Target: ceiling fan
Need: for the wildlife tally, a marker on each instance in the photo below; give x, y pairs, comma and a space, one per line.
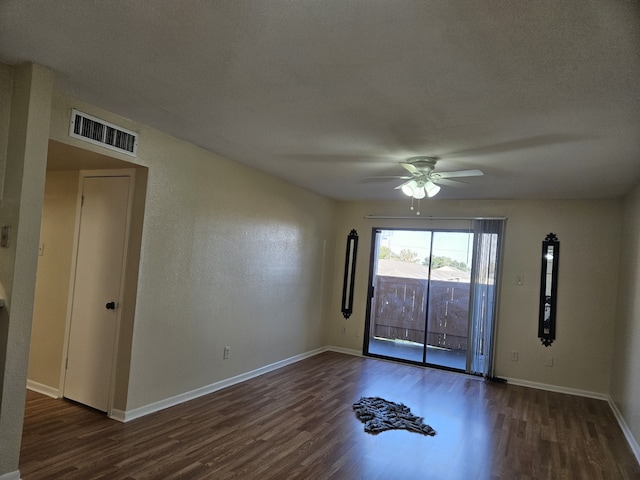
424, 181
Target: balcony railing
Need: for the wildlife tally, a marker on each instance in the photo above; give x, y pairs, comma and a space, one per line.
400, 306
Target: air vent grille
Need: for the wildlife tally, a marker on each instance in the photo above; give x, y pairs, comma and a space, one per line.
99, 132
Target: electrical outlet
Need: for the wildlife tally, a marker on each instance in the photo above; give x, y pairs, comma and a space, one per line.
227, 352
514, 356
344, 330
549, 362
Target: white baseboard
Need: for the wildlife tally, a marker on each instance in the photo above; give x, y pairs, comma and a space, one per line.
347, 351
633, 443
125, 416
556, 388
43, 389
119, 415
11, 475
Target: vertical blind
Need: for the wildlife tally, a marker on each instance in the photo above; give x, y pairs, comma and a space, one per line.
488, 236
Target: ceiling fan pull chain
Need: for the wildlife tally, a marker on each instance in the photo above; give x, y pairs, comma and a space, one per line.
418, 212
411, 204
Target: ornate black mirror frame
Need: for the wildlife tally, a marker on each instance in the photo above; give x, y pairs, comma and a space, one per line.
349, 273
548, 289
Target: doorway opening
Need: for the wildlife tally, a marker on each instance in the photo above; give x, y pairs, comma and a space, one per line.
57, 268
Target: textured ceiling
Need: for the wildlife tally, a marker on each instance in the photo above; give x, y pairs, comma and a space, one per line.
543, 96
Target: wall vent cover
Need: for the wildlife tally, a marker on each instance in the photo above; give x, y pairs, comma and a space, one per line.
99, 132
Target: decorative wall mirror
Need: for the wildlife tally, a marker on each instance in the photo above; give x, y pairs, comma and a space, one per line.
349, 273
548, 289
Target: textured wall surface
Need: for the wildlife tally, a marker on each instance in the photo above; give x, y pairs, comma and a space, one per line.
52, 284
229, 257
589, 238
625, 374
21, 209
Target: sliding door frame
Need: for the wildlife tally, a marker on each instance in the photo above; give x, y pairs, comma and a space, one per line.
475, 229
373, 264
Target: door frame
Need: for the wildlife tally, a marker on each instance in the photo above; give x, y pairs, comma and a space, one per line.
373, 265
122, 172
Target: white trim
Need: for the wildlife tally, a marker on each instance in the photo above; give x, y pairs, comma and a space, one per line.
43, 389
347, 351
556, 388
119, 415
11, 475
125, 416
633, 443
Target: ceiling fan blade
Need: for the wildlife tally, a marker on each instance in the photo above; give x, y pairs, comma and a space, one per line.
460, 173
449, 183
386, 177
515, 145
411, 168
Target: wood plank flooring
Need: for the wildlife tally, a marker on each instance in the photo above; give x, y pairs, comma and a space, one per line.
298, 423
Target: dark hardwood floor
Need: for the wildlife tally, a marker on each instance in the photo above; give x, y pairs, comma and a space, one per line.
298, 423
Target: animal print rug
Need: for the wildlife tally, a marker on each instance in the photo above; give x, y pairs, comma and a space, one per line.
379, 415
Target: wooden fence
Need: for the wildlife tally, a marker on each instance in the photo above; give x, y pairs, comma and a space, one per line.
399, 311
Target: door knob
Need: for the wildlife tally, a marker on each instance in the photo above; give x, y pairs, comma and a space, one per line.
111, 306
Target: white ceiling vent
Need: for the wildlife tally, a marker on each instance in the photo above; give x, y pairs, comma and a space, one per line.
99, 132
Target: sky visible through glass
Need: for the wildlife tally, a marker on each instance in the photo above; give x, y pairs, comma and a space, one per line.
455, 245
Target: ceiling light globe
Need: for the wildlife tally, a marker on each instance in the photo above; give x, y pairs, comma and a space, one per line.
432, 189
409, 188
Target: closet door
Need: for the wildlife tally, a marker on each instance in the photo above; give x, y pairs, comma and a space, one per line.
100, 257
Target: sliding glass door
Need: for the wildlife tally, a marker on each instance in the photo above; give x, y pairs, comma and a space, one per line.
430, 302
448, 302
400, 287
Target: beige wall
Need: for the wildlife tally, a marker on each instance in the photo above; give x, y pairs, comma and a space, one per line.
6, 85
589, 235
52, 285
8, 460
625, 372
229, 256
20, 209
129, 301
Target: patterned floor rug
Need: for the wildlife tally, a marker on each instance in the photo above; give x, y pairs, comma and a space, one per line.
379, 415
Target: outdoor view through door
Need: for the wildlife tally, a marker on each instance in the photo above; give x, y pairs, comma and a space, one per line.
432, 296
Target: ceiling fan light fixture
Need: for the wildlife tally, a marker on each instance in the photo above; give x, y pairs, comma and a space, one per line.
431, 188
424, 180
409, 188
419, 193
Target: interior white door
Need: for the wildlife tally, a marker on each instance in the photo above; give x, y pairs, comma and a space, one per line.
98, 274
